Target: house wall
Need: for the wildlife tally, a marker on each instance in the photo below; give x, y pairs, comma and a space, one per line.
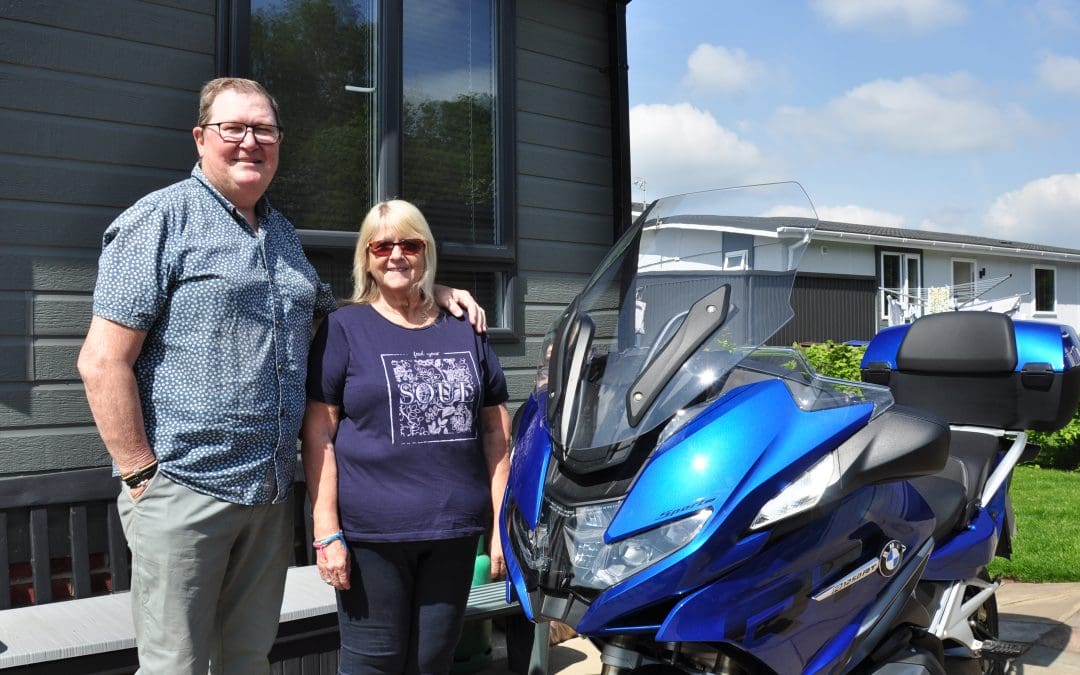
97, 101
565, 215
858, 260
937, 271
830, 307
834, 295
831, 257
96, 108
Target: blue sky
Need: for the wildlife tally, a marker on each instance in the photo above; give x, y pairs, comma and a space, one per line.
943, 115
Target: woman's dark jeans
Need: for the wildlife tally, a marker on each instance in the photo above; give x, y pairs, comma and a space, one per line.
406, 606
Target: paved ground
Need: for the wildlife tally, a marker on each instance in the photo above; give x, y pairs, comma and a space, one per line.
1045, 616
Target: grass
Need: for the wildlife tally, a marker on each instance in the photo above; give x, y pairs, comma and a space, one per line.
1047, 543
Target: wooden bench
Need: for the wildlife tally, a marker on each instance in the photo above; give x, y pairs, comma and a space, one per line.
62, 537
95, 635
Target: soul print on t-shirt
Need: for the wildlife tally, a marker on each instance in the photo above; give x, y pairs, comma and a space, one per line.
432, 396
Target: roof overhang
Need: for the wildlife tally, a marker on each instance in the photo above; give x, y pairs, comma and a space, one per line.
944, 246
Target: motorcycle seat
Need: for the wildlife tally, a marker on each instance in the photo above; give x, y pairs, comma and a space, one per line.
953, 493
946, 494
977, 452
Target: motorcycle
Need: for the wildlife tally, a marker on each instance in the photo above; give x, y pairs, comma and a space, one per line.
693, 501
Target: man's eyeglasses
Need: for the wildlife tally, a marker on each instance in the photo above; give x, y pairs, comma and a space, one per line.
234, 132
383, 249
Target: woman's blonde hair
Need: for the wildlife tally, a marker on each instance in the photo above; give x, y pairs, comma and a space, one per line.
403, 221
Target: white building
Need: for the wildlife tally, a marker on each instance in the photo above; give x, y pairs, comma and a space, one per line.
916, 271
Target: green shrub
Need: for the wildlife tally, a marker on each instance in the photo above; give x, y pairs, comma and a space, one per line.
1061, 448
835, 360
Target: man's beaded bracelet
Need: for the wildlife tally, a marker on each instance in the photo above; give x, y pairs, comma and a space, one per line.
320, 544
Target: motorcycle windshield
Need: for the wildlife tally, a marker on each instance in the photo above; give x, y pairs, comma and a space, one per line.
697, 283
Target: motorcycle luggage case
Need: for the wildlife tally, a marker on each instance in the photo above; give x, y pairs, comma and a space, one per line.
980, 369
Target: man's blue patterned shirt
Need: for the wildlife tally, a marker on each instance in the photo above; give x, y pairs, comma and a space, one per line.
228, 314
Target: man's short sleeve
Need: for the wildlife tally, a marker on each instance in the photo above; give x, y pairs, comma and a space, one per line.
134, 268
324, 299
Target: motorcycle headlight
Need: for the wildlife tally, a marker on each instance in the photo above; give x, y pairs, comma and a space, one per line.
595, 564
532, 545
803, 494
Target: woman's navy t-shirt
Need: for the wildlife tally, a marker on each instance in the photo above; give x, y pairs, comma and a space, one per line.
410, 459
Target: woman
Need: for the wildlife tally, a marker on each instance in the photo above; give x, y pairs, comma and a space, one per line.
405, 450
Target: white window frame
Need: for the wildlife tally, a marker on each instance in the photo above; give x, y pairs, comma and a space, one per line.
906, 284
952, 274
736, 260
1035, 291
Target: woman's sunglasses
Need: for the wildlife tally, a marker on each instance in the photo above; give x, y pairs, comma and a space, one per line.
383, 249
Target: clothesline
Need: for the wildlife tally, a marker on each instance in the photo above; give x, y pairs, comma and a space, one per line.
951, 296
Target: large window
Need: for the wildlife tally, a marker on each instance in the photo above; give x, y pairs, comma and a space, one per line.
394, 98
1045, 289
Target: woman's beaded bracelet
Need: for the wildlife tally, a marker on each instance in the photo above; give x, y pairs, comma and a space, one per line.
320, 544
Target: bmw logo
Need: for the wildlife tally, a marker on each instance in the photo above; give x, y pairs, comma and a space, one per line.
891, 557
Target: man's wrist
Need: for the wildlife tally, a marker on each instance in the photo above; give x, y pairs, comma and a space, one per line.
140, 476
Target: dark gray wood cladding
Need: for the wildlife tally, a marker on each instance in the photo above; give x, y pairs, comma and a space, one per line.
564, 164
97, 101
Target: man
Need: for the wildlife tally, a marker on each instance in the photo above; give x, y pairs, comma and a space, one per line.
194, 366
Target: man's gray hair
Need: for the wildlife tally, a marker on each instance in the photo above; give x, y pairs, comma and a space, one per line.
240, 85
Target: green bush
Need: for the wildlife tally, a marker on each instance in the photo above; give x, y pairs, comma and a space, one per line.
835, 360
1061, 448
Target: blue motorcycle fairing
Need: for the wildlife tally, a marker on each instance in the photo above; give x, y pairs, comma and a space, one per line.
973, 548
832, 653
529, 463
885, 345
515, 578
756, 481
853, 644
768, 608
727, 455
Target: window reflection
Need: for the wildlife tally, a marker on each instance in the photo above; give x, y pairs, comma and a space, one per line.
448, 116
306, 52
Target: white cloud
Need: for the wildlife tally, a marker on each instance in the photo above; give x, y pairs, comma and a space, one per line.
1060, 73
886, 16
712, 68
681, 148
927, 115
1045, 211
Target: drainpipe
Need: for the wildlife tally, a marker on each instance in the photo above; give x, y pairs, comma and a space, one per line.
620, 117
